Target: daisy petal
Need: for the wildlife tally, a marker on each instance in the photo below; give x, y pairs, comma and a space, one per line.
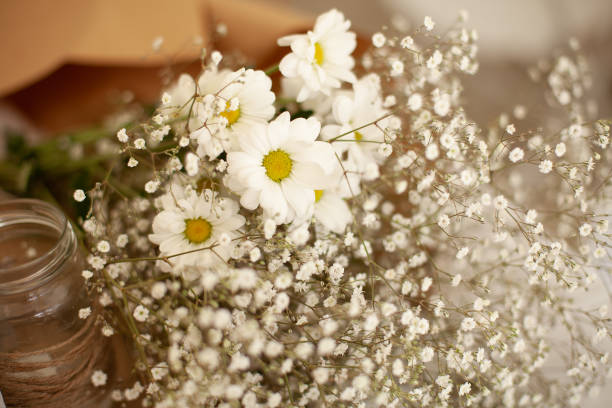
299, 197
306, 130
274, 202
309, 175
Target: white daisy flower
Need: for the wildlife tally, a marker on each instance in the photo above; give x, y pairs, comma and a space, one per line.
279, 166
245, 98
352, 110
322, 57
190, 222
222, 104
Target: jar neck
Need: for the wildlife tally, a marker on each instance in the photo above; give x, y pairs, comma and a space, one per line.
36, 239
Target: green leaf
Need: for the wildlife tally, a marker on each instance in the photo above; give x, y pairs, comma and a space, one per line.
302, 114
16, 144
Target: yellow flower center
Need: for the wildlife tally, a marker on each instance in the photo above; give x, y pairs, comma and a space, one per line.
318, 195
358, 136
232, 116
277, 164
197, 230
319, 55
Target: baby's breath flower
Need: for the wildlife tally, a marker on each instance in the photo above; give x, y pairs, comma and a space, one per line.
122, 135
465, 388
166, 99
122, 240
378, 40
432, 151
107, 331
467, 324
103, 246
184, 141
434, 60
151, 186
426, 283
462, 252
397, 68
79, 195
415, 102
443, 221
255, 254
407, 42
84, 313
98, 378
545, 166
141, 313
158, 290
192, 164
428, 23
585, 229
139, 143
427, 354
560, 149
516, 155
96, 262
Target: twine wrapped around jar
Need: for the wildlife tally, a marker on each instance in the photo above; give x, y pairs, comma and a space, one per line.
33, 378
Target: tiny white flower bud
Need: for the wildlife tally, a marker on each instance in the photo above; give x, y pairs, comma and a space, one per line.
79, 195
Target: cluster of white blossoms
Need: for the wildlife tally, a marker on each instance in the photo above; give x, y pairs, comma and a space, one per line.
355, 239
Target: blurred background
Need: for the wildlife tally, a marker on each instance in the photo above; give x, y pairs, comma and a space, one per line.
45, 57
513, 35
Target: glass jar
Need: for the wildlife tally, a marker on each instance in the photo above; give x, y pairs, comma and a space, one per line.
47, 352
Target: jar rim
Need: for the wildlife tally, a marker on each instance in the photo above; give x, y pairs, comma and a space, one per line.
15, 212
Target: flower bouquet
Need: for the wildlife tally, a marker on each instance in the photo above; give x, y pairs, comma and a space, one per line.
342, 234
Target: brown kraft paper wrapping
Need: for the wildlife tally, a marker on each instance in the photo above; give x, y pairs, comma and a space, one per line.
62, 59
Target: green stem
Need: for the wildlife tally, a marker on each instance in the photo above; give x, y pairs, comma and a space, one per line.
84, 136
361, 127
271, 70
